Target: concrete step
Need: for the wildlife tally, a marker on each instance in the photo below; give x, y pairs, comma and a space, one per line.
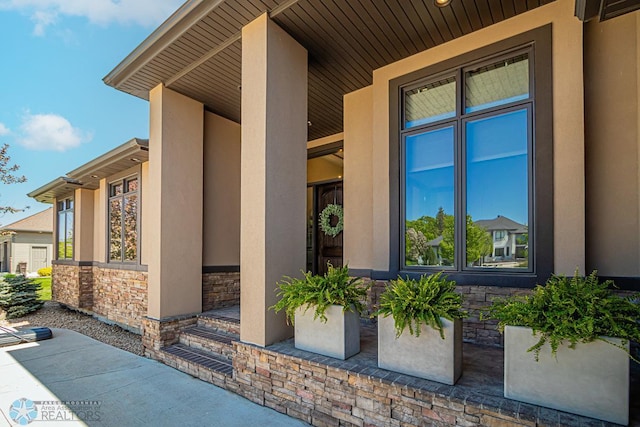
219, 323
209, 339
209, 367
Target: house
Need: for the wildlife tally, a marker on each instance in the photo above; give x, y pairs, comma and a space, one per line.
510, 240
444, 112
26, 245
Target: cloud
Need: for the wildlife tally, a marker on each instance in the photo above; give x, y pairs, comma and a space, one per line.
147, 13
4, 130
50, 132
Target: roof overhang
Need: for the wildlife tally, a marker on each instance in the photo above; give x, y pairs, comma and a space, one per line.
121, 158
604, 9
198, 50
59, 187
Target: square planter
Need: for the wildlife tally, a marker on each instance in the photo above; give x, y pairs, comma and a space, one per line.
427, 356
591, 380
339, 337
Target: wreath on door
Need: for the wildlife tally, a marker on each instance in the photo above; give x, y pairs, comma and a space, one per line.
325, 220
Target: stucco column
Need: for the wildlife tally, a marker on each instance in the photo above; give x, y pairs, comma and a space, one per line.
273, 177
83, 228
173, 205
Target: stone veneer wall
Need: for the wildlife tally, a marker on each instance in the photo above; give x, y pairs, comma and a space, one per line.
120, 296
220, 290
72, 285
476, 299
327, 396
161, 333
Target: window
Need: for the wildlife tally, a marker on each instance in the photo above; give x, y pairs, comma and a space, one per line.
65, 228
123, 220
460, 125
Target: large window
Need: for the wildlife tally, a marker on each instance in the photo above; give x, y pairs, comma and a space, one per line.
472, 143
123, 220
64, 210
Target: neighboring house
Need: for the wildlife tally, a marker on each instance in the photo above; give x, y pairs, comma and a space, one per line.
26, 245
467, 111
510, 239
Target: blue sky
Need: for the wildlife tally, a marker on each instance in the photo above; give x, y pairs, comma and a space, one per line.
55, 112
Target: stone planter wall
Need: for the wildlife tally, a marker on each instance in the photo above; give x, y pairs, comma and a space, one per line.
72, 285
120, 296
220, 290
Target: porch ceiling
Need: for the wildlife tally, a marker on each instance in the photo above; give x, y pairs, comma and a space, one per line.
197, 51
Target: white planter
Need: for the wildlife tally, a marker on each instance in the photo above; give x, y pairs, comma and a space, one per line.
339, 337
427, 356
592, 380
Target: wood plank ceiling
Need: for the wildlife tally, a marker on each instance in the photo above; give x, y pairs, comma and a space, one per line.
346, 41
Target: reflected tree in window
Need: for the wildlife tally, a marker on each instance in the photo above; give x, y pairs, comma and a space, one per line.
123, 221
65, 228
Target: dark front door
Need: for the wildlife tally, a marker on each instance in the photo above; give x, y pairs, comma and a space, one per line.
328, 247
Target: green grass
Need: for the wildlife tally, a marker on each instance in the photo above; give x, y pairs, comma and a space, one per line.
45, 285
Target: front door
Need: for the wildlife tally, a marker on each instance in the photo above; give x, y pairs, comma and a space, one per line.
328, 241
38, 258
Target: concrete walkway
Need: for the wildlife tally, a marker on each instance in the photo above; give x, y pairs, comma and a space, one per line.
106, 386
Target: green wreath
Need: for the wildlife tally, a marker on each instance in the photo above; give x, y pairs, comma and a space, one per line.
325, 220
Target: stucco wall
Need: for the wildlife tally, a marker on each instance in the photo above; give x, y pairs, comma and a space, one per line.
83, 223
568, 130
612, 117
321, 169
221, 188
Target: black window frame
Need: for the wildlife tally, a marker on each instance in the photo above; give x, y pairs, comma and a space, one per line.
123, 181
68, 207
538, 42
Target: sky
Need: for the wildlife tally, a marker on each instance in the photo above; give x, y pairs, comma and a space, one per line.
55, 112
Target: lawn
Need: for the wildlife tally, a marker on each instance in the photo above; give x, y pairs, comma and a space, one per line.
45, 285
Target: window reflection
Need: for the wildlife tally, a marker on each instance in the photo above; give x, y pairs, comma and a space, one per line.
430, 103
429, 201
65, 229
496, 84
123, 221
497, 195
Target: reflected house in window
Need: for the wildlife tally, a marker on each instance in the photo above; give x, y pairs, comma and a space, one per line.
510, 241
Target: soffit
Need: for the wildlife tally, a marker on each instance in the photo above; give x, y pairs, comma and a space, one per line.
346, 41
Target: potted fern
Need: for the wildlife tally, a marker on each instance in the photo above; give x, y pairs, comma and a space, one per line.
567, 346
420, 328
325, 311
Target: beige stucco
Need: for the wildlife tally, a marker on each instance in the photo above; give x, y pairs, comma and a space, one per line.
100, 222
145, 234
174, 204
568, 129
221, 221
358, 178
323, 168
83, 225
612, 90
273, 175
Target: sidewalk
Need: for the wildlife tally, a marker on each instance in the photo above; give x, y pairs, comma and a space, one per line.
106, 386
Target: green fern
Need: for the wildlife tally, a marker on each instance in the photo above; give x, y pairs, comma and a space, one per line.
335, 287
414, 303
577, 309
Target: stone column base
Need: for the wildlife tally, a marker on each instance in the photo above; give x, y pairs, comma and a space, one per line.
157, 334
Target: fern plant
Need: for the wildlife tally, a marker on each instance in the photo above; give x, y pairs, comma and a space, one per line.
335, 287
576, 309
425, 301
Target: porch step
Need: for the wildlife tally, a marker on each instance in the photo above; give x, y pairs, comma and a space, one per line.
209, 367
209, 339
219, 323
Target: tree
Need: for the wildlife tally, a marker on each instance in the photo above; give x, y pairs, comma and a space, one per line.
7, 176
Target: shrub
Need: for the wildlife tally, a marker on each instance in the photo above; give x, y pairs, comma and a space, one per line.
18, 296
44, 272
321, 291
414, 303
577, 309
